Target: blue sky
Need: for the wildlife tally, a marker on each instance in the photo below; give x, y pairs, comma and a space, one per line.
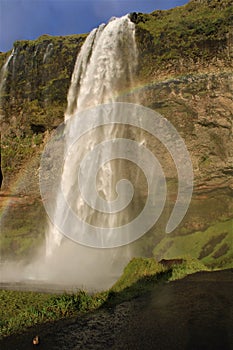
28, 19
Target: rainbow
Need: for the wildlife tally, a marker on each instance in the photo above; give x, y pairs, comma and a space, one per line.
17, 189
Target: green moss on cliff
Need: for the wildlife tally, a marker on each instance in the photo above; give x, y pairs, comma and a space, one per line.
194, 32
3, 57
40, 70
34, 95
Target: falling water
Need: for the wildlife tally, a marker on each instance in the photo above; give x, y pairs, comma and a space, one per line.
3, 75
104, 67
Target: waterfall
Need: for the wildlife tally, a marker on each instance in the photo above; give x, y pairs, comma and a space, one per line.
3, 75
103, 74
48, 52
104, 67
94, 161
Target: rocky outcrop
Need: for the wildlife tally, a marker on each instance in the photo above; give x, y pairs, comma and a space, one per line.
200, 106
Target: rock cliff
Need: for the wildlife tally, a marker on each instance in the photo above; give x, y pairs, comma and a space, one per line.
184, 73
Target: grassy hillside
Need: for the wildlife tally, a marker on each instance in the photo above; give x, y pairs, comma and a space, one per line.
188, 37
213, 246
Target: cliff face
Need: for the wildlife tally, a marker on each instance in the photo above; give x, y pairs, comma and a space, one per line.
190, 39
186, 64
200, 106
184, 73
39, 72
33, 99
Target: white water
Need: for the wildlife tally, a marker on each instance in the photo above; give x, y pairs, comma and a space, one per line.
104, 68
48, 52
3, 75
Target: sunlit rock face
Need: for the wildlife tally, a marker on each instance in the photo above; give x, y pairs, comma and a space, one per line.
183, 73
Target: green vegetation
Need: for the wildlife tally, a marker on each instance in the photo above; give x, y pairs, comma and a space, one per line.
187, 267
21, 233
19, 310
24, 309
141, 274
44, 67
34, 94
193, 32
45, 38
21, 147
213, 246
172, 43
135, 270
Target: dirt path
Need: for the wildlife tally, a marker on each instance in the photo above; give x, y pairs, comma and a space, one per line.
195, 313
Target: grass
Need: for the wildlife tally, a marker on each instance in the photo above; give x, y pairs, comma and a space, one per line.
20, 310
20, 231
187, 267
193, 32
213, 245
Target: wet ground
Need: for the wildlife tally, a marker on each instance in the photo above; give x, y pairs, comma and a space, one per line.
195, 313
